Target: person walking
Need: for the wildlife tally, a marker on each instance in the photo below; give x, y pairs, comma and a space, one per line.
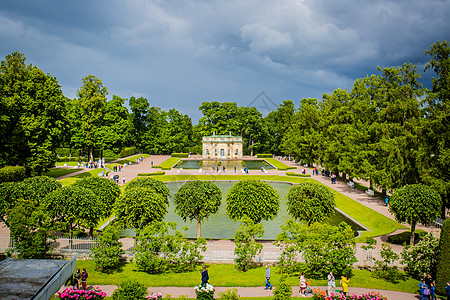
423, 287
432, 291
205, 276
344, 282
268, 285
123, 179
447, 290
84, 276
331, 283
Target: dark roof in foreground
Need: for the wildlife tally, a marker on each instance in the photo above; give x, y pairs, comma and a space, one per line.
23, 278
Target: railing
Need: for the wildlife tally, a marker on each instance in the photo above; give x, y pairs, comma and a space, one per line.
217, 251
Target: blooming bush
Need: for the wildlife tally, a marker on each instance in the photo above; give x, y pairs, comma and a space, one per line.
155, 296
204, 293
74, 293
320, 295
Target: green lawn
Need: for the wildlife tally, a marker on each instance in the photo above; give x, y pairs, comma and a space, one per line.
71, 180
168, 163
69, 163
58, 172
278, 164
226, 275
376, 222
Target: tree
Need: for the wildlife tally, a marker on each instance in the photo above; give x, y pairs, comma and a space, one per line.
108, 249
415, 203
29, 226
219, 118
38, 187
178, 133
252, 198
422, 257
105, 190
443, 261
8, 197
246, 246
140, 206
33, 114
72, 206
158, 250
150, 183
139, 118
92, 101
197, 200
435, 141
310, 202
327, 248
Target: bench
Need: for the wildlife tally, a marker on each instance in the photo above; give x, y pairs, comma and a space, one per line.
370, 192
438, 222
351, 184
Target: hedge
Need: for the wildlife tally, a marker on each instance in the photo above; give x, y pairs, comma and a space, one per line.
12, 174
443, 263
264, 155
152, 174
181, 155
297, 174
127, 152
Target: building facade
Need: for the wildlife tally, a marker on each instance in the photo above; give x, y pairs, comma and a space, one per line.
222, 147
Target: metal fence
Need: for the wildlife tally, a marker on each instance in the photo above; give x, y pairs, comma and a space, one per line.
220, 251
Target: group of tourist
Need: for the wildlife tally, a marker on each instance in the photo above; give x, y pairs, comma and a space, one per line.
427, 288
77, 278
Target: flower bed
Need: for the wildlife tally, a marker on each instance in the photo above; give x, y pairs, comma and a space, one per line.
204, 293
74, 293
155, 296
320, 295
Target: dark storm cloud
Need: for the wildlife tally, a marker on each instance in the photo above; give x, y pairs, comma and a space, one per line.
180, 53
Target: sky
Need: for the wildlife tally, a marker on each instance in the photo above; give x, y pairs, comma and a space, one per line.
178, 54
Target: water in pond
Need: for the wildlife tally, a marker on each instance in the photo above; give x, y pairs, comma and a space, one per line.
221, 227
229, 164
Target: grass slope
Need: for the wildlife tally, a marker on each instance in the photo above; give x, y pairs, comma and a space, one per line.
71, 180
58, 172
168, 163
278, 164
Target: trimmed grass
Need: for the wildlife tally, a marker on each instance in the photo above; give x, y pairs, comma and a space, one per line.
376, 222
278, 164
71, 180
69, 163
168, 163
226, 275
58, 172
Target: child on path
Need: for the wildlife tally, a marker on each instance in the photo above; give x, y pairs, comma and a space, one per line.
344, 282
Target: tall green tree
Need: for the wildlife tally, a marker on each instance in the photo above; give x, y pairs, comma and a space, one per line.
32, 114
443, 263
219, 118
139, 118
178, 133
435, 139
278, 122
197, 200
92, 102
415, 203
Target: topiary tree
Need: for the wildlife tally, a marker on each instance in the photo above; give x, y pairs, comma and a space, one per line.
36, 188
105, 190
415, 203
197, 200
108, 250
139, 207
72, 206
150, 183
443, 262
9, 193
252, 198
310, 202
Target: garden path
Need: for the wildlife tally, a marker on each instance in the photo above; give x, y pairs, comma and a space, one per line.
175, 292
